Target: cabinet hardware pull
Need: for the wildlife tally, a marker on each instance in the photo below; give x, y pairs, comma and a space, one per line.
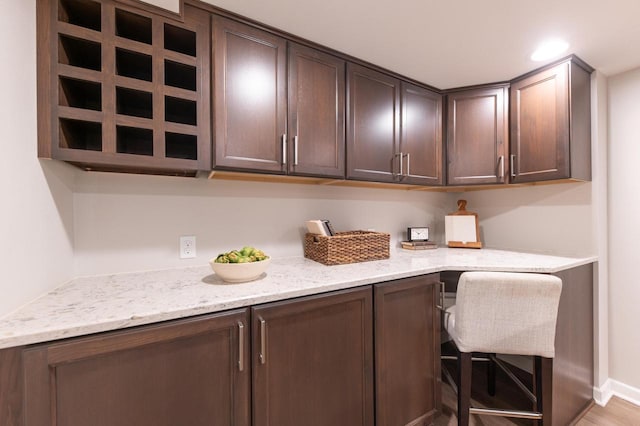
501, 159
400, 156
284, 149
441, 305
408, 164
295, 150
512, 159
240, 346
263, 338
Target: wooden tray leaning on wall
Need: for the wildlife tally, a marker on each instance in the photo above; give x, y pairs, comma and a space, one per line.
461, 228
347, 247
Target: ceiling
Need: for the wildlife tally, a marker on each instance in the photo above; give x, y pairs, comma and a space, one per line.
453, 43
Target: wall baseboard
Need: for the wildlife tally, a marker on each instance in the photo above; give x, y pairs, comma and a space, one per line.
611, 387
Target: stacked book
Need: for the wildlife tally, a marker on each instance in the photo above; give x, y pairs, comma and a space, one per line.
418, 245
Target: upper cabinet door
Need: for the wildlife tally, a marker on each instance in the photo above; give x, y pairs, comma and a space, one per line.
476, 136
373, 125
421, 142
540, 133
250, 97
316, 113
551, 125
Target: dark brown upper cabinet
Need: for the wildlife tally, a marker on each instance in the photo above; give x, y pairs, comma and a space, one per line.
313, 360
477, 135
373, 129
421, 136
193, 372
250, 107
123, 89
551, 123
316, 113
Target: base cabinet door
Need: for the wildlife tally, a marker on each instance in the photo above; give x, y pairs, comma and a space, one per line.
407, 351
190, 372
313, 361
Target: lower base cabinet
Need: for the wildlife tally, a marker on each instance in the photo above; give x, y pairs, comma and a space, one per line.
407, 336
320, 360
185, 372
313, 361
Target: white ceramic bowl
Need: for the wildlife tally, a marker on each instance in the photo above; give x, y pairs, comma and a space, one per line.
239, 272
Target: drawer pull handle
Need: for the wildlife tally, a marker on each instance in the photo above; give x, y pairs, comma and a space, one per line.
263, 338
240, 346
441, 305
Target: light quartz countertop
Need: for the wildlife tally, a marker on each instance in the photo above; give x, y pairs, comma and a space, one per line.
102, 303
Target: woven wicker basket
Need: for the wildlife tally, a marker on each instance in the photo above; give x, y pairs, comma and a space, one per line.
347, 247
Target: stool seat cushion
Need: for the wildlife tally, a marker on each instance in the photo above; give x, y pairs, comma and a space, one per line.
506, 313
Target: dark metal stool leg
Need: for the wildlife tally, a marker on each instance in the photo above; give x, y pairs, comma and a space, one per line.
491, 375
464, 388
544, 388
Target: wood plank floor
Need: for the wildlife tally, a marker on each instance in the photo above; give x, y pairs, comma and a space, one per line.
616, 413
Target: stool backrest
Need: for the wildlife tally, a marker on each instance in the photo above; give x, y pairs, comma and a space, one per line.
507, 313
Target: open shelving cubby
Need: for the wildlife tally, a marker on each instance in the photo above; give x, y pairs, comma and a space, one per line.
128, 89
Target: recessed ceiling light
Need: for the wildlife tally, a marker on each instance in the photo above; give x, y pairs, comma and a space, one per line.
549, 49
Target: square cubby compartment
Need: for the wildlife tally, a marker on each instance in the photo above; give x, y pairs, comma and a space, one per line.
180, 75
134, 65
134, 27
83, 13
181, 146
134, 102
180, 111
79, 53
133, 140
179, 40
80, 94
78, 134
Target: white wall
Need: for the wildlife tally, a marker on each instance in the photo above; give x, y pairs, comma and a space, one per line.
129, 222
624, 228
547, 218
36, 214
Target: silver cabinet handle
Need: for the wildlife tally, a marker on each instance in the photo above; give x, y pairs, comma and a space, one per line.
512, 161
441, 305
240, 346
284, 149
295, 150
501, 160
263, 338
400, 155
408, 164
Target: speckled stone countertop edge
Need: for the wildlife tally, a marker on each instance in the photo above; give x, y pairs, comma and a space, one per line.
89, 305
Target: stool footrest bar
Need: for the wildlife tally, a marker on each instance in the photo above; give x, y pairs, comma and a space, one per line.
506, 413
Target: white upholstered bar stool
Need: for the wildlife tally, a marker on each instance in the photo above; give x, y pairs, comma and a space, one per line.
505, 313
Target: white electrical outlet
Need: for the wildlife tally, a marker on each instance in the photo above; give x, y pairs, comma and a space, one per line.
187, 247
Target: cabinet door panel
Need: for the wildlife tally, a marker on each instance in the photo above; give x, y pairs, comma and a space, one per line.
314, 366
476, 137
421, 142
540, 126
407, 336
185, 372
373, 132
250, 97
316, 112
